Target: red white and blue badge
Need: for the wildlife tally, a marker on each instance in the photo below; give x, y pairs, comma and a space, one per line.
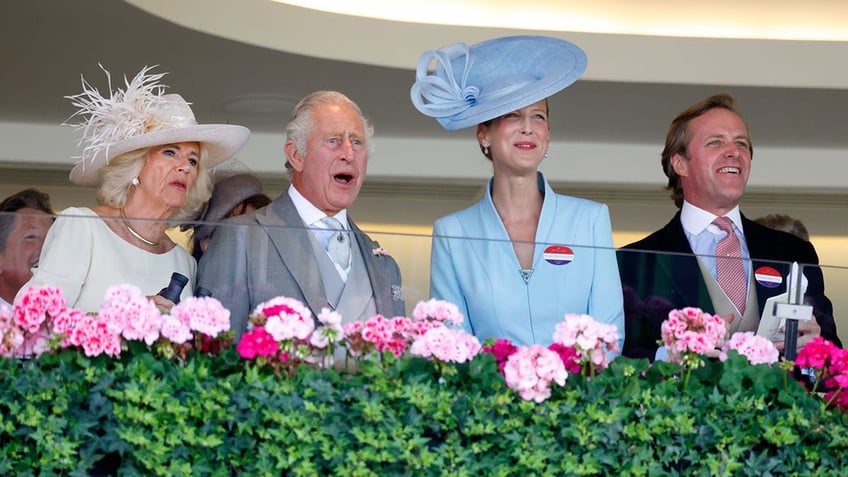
768, 277
558, 255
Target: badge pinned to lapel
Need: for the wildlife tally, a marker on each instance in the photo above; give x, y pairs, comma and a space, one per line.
558, 255
768, 277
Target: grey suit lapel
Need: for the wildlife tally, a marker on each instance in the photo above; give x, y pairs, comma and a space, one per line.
290, 237
377, 273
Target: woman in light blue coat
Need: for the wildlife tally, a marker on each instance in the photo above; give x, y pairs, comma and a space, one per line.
523, 257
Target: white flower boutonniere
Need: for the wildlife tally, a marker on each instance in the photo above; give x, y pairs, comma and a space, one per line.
379, 251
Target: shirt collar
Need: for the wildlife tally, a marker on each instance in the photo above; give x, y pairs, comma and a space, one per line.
311, 214
695, 219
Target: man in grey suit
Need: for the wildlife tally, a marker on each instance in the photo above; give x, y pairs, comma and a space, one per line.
289, 248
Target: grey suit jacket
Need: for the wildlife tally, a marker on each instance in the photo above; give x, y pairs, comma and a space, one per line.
255, 257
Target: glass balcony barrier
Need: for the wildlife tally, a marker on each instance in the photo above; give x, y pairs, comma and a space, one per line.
257, 261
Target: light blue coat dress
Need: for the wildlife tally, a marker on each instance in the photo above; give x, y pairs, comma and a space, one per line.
474, 266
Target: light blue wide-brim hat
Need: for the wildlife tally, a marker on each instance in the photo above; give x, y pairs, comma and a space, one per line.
471, 85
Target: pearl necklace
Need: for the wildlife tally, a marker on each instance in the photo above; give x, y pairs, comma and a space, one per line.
133, 232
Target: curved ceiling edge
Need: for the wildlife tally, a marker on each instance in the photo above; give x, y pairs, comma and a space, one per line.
630, 58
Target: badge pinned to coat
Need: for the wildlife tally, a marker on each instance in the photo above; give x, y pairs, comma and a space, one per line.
768, 277
558, 255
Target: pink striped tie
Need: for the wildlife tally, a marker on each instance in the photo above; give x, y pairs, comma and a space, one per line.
730, 271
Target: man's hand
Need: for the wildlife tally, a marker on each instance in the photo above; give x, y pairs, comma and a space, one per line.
807, 331
728, 319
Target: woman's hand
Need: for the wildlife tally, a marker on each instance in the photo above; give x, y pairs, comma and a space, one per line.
163, 304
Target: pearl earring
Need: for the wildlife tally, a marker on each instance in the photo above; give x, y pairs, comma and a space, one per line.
135, 181
546, 155
485, 150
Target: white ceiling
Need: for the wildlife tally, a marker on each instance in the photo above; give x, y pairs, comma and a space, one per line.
792, 93
764, 19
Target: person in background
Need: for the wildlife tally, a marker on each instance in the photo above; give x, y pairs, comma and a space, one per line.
150, 161
522, 258
707, 159
305, 245
231, 196
786, 224
25, 218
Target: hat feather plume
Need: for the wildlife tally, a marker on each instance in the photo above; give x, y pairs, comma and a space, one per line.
124, 113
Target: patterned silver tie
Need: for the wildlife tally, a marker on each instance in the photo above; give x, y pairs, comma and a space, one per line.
336, 242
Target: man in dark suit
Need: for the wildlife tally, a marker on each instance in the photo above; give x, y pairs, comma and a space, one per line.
288, 248
707, 159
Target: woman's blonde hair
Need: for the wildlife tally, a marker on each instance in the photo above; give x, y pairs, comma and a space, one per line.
121, 170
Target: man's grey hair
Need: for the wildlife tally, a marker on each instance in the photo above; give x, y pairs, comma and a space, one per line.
301, 121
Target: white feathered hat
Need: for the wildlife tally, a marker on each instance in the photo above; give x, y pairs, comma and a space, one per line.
142, 116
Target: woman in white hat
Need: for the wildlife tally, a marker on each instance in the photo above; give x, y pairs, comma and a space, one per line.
519, 260
151, 161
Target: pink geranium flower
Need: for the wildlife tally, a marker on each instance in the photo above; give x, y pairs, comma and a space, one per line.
286, 318
284, 330
502, 349
438, 310
377, 330
381, 334
757, 349
353, 340
330, 318
97, 335
34, 344
12, 336
257, 342
135, 315
446, 344
397, 334
65, 322
421, 327
570, 357
39, 314
838, 368
175, 330
830, 367
592, 340
531, 370
692, 331
815, 354
203, 314
330, 331
36, 305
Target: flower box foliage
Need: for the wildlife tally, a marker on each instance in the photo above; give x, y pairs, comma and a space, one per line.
144, 412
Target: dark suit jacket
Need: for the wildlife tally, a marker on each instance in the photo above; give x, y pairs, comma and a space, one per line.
654, 284
255, 257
